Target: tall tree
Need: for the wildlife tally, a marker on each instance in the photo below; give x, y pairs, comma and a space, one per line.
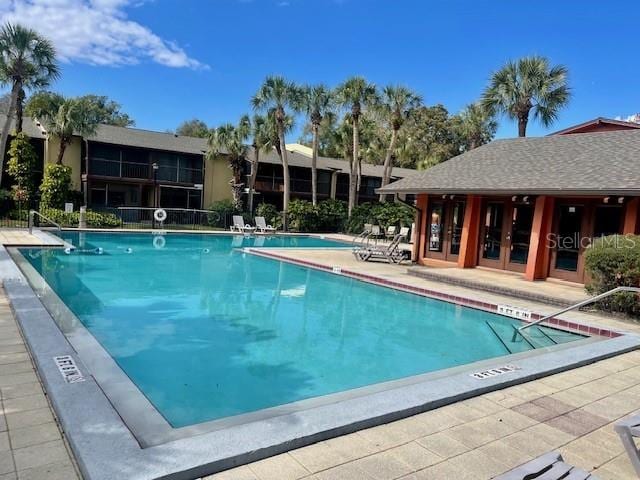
27, 61
276, 95
64, 117
262, 140
476, 125
530, 83
396, 105
193, 128
317, 102
356, 94
109, 112
229, 140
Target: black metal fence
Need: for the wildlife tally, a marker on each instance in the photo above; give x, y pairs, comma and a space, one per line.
171, 219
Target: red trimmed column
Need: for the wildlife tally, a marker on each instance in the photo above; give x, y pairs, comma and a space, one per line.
468, 256
631, 216
539, 250
419, 243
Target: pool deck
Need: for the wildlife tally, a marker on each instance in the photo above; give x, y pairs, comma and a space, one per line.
572, 412
31, 444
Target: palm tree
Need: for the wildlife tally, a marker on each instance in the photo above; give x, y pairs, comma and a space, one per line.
262, 140
65, 117
276, 95
356, 93
317, 102
229, 139
396, 106
530, 83
27, 61
477, 126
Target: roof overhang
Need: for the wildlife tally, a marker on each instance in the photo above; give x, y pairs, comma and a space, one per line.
485, 192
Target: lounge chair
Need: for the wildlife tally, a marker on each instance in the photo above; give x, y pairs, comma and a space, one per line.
261, 225
391, 231
391, 252
239, 225
549, 466
404, 231
362, 237
628, 429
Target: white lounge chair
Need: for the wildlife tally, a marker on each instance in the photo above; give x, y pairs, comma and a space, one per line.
404, 233
549, 466
391, 232
628, 430
239, 225
262, 226
391, 253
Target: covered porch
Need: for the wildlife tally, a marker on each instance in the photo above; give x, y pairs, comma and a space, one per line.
537, 237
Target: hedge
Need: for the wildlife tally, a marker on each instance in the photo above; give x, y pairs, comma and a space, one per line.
70, 220
611, 262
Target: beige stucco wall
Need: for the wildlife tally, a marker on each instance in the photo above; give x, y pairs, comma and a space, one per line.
72, 157
217, 175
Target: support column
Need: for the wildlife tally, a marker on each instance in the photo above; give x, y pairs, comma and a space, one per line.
334, 184
631, 216
420, 236
468, 257
539, 248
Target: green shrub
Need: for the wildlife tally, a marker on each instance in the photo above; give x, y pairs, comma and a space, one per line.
56, 186
303, 216
221, 213
270, 213
611, 262
383, 214
20, 166
72, 220
332, 215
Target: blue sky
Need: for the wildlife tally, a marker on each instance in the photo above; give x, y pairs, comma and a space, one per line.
170, 60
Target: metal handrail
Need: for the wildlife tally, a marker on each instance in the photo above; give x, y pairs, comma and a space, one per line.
581, 304
33, 213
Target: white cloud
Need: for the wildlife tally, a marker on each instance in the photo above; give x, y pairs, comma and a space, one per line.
97, 32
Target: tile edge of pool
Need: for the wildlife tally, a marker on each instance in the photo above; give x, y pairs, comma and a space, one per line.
98, 435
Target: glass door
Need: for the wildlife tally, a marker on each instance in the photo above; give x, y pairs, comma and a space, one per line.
566, 258
491, 248
520, 236
455, 229
435, 229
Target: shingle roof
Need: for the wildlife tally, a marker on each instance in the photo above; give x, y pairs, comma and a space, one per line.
589, 163
28, 126
297, 159
134, 137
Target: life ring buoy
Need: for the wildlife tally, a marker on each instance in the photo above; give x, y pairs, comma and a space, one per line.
160, 214
159, 242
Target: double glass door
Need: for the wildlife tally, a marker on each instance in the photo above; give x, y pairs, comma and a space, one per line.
576, 224
445, 218
505, 234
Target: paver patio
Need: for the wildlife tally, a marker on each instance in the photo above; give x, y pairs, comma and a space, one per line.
31, 444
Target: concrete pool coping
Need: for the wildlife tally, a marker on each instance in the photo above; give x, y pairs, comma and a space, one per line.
106, 449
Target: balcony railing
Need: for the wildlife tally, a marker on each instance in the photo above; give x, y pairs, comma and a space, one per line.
117, 169
179, 175
275, 184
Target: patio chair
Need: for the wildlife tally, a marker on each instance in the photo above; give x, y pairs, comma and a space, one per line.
239, 225
549, 466
261, 225
362, 237
404, 231
391, 252
391, 231
628, 429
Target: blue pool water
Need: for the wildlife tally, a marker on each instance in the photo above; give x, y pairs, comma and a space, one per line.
206, 331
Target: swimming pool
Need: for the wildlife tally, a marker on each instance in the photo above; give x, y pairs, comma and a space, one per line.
206, 331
